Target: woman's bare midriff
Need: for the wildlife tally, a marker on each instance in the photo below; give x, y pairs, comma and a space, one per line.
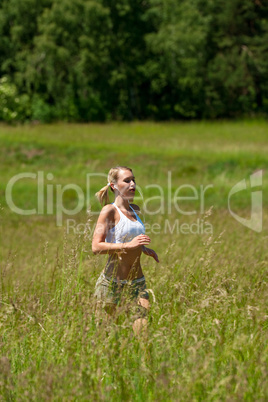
124, 265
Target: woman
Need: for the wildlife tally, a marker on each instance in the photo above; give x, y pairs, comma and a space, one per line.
121, 234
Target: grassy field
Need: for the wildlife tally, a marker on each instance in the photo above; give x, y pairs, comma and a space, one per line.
208, 322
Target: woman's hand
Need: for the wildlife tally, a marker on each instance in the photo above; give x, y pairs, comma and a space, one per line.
138, 241
150, 253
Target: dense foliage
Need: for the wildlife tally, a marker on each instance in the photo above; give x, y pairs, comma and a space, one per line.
97, 60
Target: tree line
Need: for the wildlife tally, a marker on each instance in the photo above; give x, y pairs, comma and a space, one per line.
101, 60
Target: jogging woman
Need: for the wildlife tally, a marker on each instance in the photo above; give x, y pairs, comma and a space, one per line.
120, 233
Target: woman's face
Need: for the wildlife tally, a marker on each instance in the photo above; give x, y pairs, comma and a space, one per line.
126, 184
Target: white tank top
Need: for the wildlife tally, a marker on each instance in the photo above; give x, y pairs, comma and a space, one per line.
125, 230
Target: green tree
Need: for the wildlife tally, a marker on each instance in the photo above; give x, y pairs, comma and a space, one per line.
236, 63
69, 58
127, 83
18, 27
176, 65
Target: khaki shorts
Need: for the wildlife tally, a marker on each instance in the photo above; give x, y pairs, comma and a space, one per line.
112, 292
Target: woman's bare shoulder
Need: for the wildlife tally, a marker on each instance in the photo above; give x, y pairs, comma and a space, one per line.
108, 211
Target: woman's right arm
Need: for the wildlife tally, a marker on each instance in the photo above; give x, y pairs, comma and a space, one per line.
105, 222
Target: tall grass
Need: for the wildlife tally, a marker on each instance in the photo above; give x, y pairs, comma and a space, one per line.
207, 334
208, 322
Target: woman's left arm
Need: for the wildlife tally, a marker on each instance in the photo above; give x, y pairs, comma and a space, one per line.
145, 250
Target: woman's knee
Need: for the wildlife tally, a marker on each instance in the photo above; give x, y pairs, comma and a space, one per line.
140, 309
139, 325
144, 303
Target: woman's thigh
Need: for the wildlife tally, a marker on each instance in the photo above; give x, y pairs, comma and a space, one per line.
106, 293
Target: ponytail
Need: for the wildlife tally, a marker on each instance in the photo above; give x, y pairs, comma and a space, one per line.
103, 195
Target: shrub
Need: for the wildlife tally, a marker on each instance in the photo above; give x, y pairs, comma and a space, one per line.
13, 107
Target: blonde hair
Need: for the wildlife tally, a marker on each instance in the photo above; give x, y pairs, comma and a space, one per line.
103, 195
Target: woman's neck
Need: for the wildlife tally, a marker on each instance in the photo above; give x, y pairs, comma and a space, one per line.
121, 203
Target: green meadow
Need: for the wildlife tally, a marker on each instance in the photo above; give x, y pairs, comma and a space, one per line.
208, 321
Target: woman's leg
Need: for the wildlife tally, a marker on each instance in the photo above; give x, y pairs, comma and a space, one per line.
140, 324
105, 300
